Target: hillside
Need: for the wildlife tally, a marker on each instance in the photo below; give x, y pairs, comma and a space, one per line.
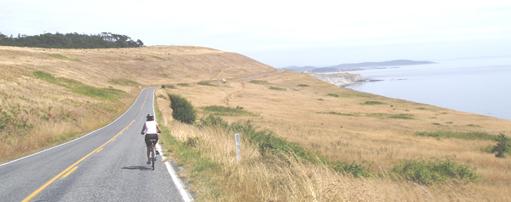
302, 139
51, 95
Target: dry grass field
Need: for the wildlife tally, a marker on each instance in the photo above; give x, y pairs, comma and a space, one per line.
376, 132
48, 96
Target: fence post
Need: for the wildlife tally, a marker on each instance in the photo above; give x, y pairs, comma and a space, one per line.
237, 140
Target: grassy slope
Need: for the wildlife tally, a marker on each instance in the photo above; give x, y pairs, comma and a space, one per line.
350, 126
50, 95
372, 130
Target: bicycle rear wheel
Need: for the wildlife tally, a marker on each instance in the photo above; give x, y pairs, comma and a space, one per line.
153, 159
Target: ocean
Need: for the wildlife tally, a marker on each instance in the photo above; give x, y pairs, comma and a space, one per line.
477, 85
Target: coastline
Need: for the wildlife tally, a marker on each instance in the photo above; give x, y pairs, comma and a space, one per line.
350, 80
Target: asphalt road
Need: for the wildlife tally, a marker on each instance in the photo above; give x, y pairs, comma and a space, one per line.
105, 165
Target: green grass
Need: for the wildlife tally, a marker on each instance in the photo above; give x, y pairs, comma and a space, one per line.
372, 102
226, 111
206, 83
260, 82
183, 84
338, 113
201, 168
277, 88
80, 88
391, 116
332, 95
124, 82
457, 135
401, 116
434, 171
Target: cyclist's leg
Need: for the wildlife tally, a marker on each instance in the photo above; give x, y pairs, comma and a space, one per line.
148, 147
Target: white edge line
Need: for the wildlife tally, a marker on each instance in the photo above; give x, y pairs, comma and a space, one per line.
34, 154
179, 184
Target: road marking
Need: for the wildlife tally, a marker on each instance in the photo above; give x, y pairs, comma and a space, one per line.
173, 175
69, 168
143, 103
99, 149
56, 146
69, 172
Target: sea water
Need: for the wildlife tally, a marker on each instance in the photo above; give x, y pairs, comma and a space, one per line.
476, 85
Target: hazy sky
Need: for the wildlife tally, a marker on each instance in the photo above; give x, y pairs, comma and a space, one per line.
285, 32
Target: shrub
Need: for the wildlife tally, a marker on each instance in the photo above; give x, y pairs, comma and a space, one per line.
168, 86
206, 83
226, 111
213, 121
372, 102
192, 141
276, 88
333, 95
183, 84
354, 169
429, 172
260, 82
401, 116
302, 85
182, 109
502, 147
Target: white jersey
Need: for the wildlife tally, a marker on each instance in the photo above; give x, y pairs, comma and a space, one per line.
150, 127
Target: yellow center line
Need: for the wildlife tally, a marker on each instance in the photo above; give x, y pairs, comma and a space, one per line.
99, 149
69, 172
72, 166
143, 103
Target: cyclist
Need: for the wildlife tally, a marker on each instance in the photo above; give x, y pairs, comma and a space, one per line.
151, 131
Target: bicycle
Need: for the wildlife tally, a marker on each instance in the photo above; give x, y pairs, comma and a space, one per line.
153, 152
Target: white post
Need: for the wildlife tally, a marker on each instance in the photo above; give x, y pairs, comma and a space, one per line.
237, 140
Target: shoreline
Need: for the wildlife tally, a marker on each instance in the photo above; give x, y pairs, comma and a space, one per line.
350, 80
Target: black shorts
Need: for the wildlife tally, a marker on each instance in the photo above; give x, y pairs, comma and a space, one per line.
148, 138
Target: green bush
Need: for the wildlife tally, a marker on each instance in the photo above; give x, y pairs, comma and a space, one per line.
502, 147
302, 85
332, 95
429, 172
182, 109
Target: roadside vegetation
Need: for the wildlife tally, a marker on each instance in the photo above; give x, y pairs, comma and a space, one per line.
273, 168
226, 111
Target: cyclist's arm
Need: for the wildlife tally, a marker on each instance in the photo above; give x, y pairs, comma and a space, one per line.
143, 129
158, 128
